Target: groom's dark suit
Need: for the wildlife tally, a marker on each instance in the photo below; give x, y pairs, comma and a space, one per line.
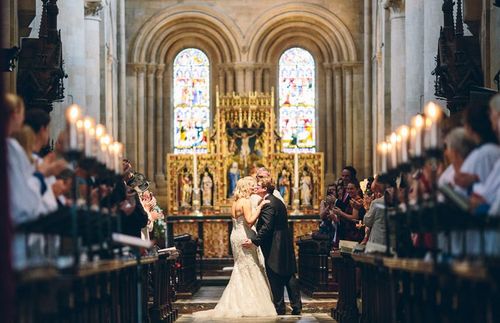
276, 241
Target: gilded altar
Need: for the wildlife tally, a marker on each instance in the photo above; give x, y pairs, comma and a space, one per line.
243, 138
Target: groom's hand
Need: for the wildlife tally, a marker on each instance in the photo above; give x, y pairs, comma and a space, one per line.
247, 243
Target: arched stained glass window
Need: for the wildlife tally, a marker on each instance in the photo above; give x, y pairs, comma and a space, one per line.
297, 98
191, 101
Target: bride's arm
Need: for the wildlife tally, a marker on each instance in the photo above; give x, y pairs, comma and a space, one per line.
251, 215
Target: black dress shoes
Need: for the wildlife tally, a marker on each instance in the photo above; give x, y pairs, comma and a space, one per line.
295, 312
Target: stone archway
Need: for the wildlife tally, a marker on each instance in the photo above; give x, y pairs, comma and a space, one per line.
339, 74
149, 77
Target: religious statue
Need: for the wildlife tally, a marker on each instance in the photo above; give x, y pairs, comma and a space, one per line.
207, 185
305, 189
245, 149
233, 177
186, 190
284, 186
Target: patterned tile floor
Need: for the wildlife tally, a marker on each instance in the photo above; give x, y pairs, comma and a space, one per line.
314, 310
305, 318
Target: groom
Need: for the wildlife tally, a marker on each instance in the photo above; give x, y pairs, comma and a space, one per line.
276, 241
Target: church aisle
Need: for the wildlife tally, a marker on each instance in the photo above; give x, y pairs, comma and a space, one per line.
208, 296
305, 318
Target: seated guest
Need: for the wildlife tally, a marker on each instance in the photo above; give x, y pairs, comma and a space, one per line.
479, 163
458, 147
329, 220
39, 121
26, 183
353, 212
485, 193
374, 217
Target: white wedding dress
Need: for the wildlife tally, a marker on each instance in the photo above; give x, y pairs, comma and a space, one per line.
248, 292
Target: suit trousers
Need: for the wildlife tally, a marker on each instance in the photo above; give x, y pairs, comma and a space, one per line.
278, 284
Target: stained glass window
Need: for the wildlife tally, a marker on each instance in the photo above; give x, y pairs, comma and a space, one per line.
191, 101
297, 97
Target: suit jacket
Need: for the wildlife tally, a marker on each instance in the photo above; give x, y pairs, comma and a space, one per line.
275, 238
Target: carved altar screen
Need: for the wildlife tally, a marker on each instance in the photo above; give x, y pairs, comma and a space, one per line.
191, 101
297, 101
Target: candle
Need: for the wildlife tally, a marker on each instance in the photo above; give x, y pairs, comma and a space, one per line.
89, 134
393, 140
434, 114
73, 114
104, 152
416, 133
404, 135
382, 154
296, 170
118, 157
195, 170
100, 131
80, 134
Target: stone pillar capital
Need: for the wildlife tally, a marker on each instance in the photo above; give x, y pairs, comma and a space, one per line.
138, 67
151, 69
92, 8
160, 68
396, 7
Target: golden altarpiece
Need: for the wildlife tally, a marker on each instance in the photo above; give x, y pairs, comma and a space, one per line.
243, 138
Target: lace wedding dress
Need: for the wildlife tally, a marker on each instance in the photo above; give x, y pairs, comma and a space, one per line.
248, 292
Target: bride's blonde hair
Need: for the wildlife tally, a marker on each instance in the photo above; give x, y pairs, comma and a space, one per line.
244, 187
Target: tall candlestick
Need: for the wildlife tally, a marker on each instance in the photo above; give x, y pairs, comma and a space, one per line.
382, 157
433, 114
89, 134
416, 135
404, 134
73, 114
393, 139
195, 170
104, 152
118, 157
296, 170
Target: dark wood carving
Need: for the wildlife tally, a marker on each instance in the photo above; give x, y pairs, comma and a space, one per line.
41, 73
458, 68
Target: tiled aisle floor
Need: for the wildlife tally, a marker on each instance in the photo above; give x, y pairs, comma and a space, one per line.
305, 318
314, 310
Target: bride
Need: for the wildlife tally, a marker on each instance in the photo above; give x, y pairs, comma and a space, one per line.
248, 292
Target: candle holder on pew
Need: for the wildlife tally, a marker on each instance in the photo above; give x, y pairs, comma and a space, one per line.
137, 244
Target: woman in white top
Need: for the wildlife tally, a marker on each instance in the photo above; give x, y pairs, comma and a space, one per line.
478, 165
480, 162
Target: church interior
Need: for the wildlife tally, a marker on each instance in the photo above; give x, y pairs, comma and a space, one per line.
128, 128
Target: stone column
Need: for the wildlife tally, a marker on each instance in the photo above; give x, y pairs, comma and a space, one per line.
349, 114
414, 51
150, 112
140, 111
433, 18
92, 59
122, 73
222, 85
258, 79
229, 80
339, 121
398, 61
131, 113
240, 79
330, 145
159, 111
70, 22
367, 87
267, 84
248, 79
